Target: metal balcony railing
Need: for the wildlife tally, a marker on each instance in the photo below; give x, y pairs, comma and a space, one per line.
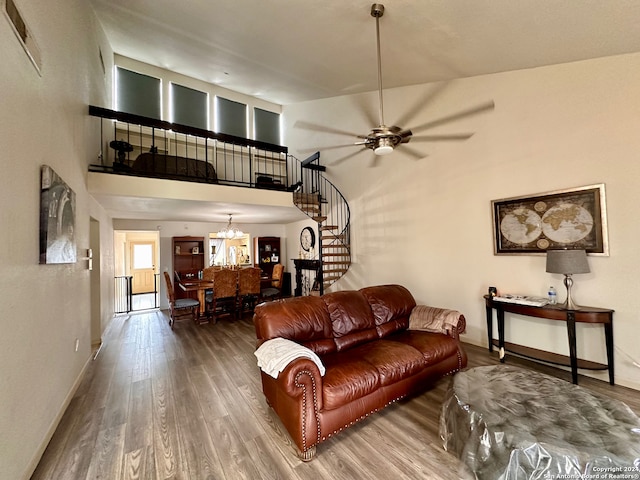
143, 146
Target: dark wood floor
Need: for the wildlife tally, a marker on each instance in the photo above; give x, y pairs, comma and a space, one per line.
187, 404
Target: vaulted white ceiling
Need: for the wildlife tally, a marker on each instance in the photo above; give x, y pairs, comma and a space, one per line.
288, 51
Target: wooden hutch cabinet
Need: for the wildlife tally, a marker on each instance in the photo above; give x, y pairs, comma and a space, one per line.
188, 259
267, 253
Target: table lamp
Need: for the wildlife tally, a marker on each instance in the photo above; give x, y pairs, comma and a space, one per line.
567, 262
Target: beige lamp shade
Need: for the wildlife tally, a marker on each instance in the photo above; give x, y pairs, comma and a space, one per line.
567, 261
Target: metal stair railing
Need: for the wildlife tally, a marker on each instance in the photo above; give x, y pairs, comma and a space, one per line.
319, 199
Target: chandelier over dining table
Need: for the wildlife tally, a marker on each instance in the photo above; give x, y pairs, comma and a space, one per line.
231, 231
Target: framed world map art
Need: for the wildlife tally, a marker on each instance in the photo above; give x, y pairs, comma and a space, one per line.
572, 218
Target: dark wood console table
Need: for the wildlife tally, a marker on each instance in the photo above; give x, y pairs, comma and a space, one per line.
603, 316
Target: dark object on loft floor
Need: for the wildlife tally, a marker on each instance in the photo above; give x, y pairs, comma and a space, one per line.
295, 187
269, 183
175, 168
122, 148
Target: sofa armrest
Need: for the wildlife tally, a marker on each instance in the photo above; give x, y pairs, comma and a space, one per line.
296, 396
302, 376
460, 328
435, 319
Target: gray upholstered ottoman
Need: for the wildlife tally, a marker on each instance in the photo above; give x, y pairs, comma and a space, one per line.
506, 422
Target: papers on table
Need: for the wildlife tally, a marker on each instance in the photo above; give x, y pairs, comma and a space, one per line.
522, 300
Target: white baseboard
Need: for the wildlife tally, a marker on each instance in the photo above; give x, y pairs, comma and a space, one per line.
54, 424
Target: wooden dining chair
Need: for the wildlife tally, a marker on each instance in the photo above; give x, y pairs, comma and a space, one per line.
248, 290
275, 290
207, 273
180, 307
223, 297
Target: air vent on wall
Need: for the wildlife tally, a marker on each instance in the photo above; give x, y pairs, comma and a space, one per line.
23, 33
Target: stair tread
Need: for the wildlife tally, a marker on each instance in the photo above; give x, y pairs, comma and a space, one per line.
332, 238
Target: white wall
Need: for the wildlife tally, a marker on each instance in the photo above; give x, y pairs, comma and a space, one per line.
427, 223
45, 308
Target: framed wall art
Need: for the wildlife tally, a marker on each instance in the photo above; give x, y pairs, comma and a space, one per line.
571, 218
57, 219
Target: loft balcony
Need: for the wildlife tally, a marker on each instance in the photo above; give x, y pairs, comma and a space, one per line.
145, 147
137, 155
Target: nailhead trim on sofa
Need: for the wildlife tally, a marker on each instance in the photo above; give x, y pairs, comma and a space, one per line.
306, 447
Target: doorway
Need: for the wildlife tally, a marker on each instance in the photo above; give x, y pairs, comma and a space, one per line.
137, 256
143, 267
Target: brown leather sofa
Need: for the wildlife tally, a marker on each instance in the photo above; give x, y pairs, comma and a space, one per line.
371, 358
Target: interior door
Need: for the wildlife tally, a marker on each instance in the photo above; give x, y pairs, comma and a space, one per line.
143, 267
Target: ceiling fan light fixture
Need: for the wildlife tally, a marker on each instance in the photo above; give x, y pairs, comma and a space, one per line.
384, 147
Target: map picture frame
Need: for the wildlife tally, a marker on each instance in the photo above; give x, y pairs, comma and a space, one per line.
570, 218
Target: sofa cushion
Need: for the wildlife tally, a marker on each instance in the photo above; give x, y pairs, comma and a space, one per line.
172, 166
394, 361
391, 306
351, 318
433, 346
347, 378
304, 320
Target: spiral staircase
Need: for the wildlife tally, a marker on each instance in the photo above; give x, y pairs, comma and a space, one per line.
321, 201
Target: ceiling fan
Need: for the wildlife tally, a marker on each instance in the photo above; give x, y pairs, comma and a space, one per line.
384, 139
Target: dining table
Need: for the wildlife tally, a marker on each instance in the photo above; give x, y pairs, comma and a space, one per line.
199, 287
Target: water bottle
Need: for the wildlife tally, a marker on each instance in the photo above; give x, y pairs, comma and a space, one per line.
552, 295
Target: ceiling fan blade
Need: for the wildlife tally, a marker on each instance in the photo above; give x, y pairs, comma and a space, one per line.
324, 129
421, 104
405, 135
375, 161
342, 159
332, 147
411, 152
364, 106
483, 107
442, 138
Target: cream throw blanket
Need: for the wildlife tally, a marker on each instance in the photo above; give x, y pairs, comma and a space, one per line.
433, 319
275, 354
